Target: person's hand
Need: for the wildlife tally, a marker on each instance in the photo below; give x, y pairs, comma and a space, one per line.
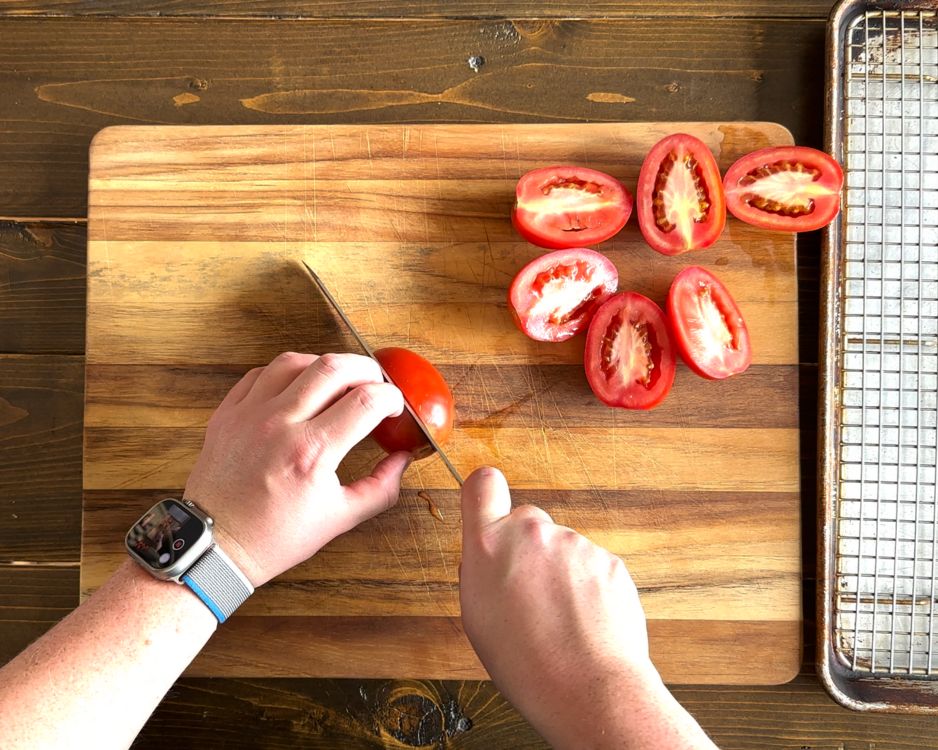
554, 618
267, 471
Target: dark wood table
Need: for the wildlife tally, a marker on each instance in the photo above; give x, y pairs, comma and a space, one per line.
71, 67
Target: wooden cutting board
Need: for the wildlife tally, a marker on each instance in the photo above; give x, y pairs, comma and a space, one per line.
194, 237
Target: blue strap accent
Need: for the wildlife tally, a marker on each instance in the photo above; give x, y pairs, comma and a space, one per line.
206, 599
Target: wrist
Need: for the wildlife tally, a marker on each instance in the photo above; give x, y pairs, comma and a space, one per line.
239, 555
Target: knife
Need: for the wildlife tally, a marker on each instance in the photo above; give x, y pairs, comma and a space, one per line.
368, 350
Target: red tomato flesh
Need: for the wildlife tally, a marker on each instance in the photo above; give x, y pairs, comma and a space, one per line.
629, 358
786, 188
563, 206
428, 395
680, 202
708, 327
554, 296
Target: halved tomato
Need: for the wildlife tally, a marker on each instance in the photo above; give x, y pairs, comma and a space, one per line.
563, 206
680, 196
629, 358
785, 188
429, 396
554, 297
708, 327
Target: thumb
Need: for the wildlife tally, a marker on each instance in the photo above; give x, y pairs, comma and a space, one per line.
374, 494
485, 500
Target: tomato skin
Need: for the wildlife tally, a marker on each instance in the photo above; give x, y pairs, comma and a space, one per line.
553, 276
709, 330
820, 199
428, 395
549, 201
697, 231
629, 318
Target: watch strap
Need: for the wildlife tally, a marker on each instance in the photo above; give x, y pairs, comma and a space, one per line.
216, 580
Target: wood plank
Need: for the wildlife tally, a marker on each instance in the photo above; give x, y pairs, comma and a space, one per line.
750, 460
693, 555
40, 458
42, 295
356, 714
400, 9
437, 648
32, 599
338, 71
486, 396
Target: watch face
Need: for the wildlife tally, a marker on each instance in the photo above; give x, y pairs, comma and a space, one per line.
165, 534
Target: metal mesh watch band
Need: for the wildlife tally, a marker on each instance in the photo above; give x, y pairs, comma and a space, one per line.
216, 580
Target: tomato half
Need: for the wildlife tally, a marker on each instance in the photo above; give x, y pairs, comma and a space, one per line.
554, 297
562, 206
786, 188
428, 395
708, 327
680, 202
629, 358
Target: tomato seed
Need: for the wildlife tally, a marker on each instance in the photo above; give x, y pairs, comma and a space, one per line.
577, 271
571, 183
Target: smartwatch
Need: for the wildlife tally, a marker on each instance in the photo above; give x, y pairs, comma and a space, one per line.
173, 541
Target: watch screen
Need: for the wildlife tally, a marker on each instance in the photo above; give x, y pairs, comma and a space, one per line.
165, 534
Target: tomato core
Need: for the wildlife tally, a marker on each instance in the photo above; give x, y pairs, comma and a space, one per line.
680, 195
569, 300
628, 348
785, 188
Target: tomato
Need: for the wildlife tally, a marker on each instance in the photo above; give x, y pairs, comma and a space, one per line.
680, 204
785, 188
554, 297
708, 328
559, 207
629, 358
428, 395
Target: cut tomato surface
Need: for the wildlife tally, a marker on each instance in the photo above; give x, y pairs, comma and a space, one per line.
554, 296
564, 206
680, 204
629, 357
708, 327
428, 394
786, 188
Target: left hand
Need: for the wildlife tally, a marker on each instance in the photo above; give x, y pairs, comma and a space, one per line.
267, 470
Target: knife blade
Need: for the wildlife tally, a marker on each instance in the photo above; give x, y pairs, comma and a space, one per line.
370, 352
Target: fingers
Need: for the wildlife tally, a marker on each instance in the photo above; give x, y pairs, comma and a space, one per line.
353, 417
485, 500
326, 380
374, 494
282, 371
241, 389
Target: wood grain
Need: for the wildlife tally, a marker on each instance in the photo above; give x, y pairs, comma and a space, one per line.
169, 313
398, 9
474, 716
667, 69
32, 599
693, 555
40, 458
42, 288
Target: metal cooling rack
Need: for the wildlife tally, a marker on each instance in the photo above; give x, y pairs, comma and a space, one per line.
886, 345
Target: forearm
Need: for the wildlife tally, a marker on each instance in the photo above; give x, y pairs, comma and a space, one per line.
102, 671
621, 709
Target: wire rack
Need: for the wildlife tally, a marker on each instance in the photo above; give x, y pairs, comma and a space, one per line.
885, 607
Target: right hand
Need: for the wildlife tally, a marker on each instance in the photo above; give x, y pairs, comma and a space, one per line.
554, 618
